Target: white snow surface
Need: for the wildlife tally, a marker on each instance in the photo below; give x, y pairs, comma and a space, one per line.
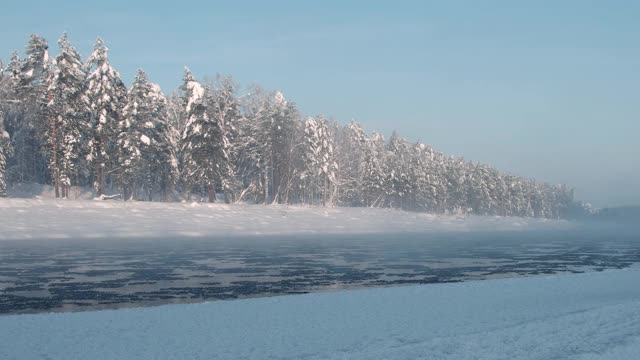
197, 94
577, 317
81, 219
145, 139
280, 99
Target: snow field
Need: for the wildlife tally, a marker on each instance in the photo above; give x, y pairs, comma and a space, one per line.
79, 219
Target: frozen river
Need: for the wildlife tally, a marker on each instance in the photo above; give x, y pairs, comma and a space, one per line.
72, 275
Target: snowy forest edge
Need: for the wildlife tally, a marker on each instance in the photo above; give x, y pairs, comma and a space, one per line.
70, 123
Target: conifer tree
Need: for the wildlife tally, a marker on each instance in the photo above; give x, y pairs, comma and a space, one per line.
145, 156
224, 111
6, 101
29, 125
5, 152
373, 177
350, 158
130, 137
253, 145
161, 155
107, 95
68, 111
397, 172
203, 139
319, 159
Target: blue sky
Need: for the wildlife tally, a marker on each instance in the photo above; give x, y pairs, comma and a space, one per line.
545, 89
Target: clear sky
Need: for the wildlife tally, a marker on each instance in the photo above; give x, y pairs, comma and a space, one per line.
546, 89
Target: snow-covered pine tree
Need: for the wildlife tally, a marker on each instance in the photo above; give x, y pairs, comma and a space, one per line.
5, 142
253, 145
397, 172
359, 140
202, 140
538, 200
162, 155
516, 196
107, 96
321, 166
13, 69
311, 151
419, 198
286, 135
6, 103
5, 152
28, 125
68, 111
11, 104
349, 157
5, 91
436, 170
146, 155
500, 193
4, 86
53, 108
269, 141
224, 109
130, 138
481, 196
175, 128
455, 177
175, 113
374, 182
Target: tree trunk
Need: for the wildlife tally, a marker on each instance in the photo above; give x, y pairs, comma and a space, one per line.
100, 180
54, 154
100, 170
149, 182
212, 193
266, 186
324, 191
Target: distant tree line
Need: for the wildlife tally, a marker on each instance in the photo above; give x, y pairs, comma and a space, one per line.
68, 122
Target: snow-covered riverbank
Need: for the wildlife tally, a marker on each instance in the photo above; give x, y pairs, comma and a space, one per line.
585, 316
81, 219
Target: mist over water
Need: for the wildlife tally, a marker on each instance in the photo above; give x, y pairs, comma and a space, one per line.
72, 275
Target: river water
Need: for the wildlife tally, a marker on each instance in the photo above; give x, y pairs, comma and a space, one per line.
73, 275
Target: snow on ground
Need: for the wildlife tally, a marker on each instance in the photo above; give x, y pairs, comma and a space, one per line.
77, 219
39, 191
579, 317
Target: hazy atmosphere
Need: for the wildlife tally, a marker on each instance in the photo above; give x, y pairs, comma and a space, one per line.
543, 89
319, 180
